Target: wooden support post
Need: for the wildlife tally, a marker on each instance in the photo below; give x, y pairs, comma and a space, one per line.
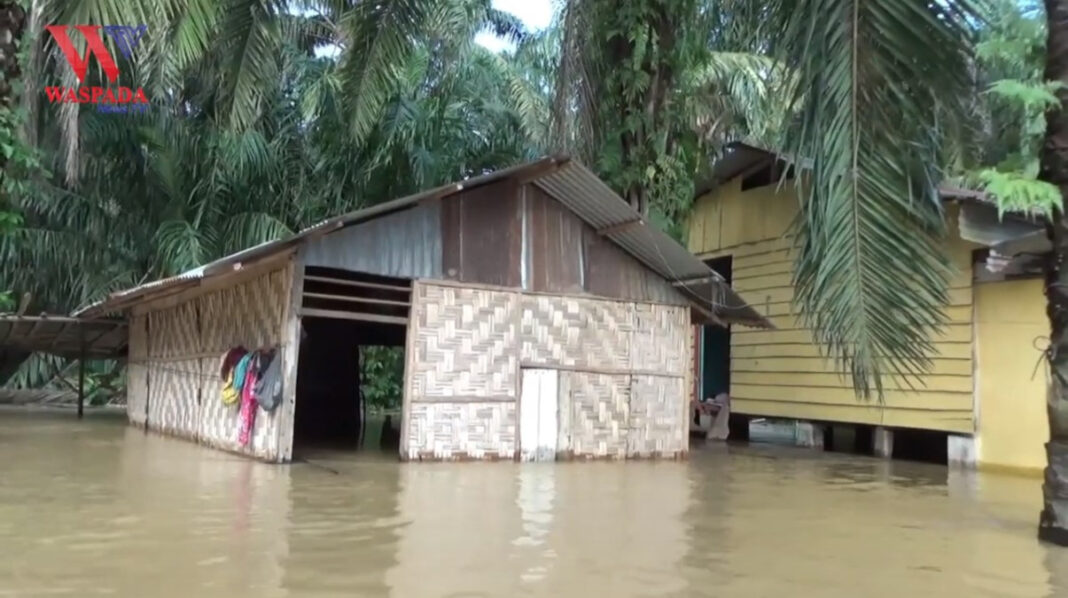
883, 442
81, 371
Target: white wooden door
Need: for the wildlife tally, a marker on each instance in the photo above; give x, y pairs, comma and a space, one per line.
538, 415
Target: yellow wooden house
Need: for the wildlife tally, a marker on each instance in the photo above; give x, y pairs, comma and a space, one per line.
985, 394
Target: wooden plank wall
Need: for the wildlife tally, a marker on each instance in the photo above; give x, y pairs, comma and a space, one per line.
482, 235
780, 373
567, 255
508, 235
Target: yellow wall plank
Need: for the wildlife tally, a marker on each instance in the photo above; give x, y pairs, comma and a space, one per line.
780, 373
960, 422
1013, 426
933, 383
787, 366
951, 333
930, 401
945, 350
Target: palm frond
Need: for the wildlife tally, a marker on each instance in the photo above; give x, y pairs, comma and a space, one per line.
875, 78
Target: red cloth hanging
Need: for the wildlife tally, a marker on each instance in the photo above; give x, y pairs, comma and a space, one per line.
248, 404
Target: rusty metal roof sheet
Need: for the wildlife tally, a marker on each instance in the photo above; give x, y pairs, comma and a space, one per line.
575, 186
63, 335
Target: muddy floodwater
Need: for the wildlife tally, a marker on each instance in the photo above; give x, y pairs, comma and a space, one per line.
95, 508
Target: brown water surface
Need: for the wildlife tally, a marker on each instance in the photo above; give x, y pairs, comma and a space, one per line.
95, 508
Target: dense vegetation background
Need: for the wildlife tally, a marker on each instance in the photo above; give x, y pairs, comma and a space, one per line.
270, 115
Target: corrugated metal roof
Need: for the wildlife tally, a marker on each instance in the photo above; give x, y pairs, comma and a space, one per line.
575, 186
64, 336
579, 189
740, 157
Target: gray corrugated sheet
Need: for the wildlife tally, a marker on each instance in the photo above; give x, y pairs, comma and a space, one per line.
593, 201
569, 182
62, 335
403, 244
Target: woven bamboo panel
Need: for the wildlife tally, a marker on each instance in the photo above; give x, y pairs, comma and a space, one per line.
137, 372
660, 339
575, 332
185, 344
600, 408
250, 314
465, 343
174, 382
658, 426
462, 431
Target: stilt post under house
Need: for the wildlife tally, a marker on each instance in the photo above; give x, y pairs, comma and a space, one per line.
81, 372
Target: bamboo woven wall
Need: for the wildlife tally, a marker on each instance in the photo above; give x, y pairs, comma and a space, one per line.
181, 365
137, 373
623, 369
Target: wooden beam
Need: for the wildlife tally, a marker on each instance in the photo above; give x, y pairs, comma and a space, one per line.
58, 336
96, 338
356, 299
622, 226
81, 371
688, 281
356, 316
538, 171
430, 198
33, 328
358, 283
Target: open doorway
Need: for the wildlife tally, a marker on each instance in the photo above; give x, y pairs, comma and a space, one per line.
350, 366
716, 345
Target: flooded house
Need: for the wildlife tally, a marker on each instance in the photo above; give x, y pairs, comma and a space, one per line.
541, 318
982, 403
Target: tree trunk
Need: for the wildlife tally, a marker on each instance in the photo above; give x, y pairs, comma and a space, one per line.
1053, 523
12, 20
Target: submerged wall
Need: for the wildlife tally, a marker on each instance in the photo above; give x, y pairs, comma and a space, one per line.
1010, 328
176, 345
781, 373
623, 373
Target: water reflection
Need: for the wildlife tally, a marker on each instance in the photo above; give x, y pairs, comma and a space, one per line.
96, 508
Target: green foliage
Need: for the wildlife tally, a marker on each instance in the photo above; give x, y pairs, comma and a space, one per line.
645, 90
252, 138
1019, 192
1001, 156
878, 85
382, 376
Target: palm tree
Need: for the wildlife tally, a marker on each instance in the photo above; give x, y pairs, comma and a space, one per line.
1053, 525
12, 21
645, 90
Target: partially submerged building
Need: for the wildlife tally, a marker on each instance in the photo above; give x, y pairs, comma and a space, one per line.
541, 317
984, 398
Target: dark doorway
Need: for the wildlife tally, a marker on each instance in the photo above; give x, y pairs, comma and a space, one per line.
331, 411
347, 320
716, 345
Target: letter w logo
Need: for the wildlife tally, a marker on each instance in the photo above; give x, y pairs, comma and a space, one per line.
96, 46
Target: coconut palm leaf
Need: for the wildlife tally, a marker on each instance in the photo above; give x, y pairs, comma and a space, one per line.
871, 272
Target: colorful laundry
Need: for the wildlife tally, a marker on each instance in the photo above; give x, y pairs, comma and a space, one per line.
248, 403
230, 395
268, 390
229, 360
251, 379
241, 371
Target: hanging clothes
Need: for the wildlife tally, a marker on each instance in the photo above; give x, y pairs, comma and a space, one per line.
230, 359
241, 370
248, 401
268, 390
230, 395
